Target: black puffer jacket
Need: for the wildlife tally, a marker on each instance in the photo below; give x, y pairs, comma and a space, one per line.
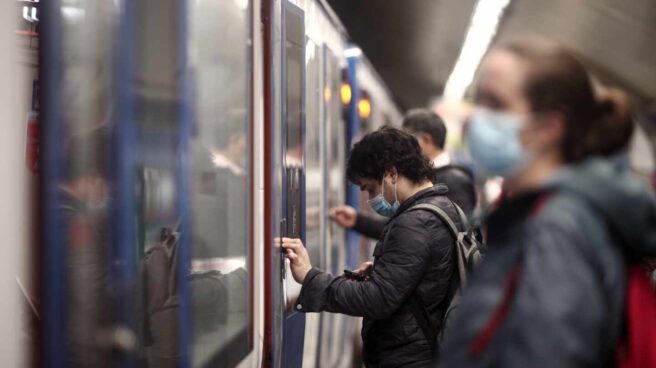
415, 255
460, 183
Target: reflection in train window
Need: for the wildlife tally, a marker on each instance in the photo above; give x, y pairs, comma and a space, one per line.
335, 158
219, 182
82, 216
157, 125
294, 68
313, 170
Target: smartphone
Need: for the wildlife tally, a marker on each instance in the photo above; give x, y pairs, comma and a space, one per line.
354, 275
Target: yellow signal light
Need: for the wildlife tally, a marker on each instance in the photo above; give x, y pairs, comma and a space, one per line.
345, 93
364, 108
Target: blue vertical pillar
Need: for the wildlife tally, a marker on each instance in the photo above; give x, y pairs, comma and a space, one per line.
182, 185
122, 244
352, 131
53, 245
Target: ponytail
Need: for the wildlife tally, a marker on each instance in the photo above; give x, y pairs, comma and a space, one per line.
557, 80
614, 125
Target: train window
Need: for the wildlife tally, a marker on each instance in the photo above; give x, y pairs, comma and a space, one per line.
220, 181
294, 115
78, 184
335, 157
157, 123
313, 174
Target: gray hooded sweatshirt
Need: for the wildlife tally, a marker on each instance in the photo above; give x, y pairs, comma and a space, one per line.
550, 292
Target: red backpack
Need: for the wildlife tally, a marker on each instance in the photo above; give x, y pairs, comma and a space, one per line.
637, 348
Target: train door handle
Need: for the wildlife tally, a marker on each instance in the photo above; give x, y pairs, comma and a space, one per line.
283, 233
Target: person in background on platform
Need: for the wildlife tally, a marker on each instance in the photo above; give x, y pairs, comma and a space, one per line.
551, 289
430, 131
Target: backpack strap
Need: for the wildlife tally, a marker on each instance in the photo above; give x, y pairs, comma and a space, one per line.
463, 217
457, 235
415, 303
484, 337
441, 214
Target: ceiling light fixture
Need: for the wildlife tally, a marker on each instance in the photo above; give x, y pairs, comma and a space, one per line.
352, 52
482, 28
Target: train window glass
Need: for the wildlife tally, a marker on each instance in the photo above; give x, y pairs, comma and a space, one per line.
81, 181
336, 158
294, 67
220, 181
313, 174
294, 154
157, 124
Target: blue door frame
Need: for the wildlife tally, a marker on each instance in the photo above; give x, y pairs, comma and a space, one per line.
53, 243
352, 132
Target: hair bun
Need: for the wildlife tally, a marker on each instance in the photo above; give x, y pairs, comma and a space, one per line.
614, 127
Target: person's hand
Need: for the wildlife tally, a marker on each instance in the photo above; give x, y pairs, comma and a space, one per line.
344, 216
299, 259
365, 269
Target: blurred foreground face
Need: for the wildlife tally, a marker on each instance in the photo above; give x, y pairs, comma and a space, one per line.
504, 135
500, 84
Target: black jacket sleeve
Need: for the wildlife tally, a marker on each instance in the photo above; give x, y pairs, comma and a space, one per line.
395, 274
370, 225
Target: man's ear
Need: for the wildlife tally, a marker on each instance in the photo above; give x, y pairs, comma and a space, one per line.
426, 139
394, 174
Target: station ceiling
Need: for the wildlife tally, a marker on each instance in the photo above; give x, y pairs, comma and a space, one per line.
414, 44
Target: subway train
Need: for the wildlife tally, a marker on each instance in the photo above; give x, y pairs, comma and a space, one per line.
170, 142
156, 150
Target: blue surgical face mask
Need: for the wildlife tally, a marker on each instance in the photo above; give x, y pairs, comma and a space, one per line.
381, 206
493, 140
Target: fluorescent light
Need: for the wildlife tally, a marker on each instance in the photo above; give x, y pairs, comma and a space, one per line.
482, 29
73, 12
352, 52
242, 4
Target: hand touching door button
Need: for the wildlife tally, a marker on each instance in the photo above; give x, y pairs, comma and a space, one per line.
298, 257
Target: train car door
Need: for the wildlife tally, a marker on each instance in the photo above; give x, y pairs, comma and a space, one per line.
284, 101
293, 125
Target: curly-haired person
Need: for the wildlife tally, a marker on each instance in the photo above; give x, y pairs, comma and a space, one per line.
412, 276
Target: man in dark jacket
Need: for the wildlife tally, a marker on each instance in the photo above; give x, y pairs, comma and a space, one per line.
430, 131
414, 260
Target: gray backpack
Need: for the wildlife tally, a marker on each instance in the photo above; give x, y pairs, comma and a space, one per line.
469, 254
